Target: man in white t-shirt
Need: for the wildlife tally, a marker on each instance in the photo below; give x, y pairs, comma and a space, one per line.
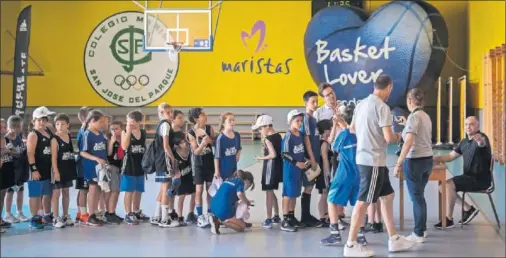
372, 123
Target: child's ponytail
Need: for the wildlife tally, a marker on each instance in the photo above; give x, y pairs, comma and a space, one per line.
246, 176
94, 115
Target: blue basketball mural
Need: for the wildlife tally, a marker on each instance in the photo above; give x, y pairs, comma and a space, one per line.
404, 39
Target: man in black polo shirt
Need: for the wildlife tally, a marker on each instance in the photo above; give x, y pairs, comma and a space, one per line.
477, 154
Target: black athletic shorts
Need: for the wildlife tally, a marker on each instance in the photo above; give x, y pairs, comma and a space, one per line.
465, 183
374, 183
187, 186
81, 184
202, 174
59, 185
320, 183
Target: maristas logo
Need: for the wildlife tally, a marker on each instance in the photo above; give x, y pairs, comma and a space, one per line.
260, 62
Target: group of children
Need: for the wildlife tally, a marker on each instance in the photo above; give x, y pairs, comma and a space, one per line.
185, 164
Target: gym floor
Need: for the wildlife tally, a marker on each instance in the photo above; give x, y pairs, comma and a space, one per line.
480, 238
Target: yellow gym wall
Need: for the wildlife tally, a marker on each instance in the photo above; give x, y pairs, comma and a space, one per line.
486, 31
60, 30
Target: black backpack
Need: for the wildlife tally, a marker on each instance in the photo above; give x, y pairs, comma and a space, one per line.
151, 160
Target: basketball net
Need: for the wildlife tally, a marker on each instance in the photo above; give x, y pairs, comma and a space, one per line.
173, 49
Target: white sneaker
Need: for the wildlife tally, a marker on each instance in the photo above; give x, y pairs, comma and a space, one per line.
174, 223
357, 251
22, 217
202, 221
425, 234
401, 244
155, 220
414, 238
166, 223
11, 218
58, 223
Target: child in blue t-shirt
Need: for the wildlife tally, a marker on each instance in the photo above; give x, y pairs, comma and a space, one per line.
93, 152
81, 185
228, 147
312, 153
293, 167
345, 184
225, 202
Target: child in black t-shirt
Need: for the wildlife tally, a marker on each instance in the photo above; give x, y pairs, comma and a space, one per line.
63, 170
115, 156
272, 171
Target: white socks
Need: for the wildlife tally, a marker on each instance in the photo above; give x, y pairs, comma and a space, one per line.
158, 209
394, 238
165, 211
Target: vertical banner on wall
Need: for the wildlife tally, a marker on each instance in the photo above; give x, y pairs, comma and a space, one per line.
21, 62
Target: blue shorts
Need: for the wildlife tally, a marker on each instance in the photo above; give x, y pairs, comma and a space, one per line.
162, 177
341, 193
90, 175
292, 181
131, 184
222, 211
40, 188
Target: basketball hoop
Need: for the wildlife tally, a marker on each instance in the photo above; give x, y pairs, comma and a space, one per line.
173, 48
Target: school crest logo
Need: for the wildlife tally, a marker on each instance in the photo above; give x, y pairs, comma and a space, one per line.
117, 66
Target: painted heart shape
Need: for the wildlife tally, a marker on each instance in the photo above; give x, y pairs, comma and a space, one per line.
348, 49
259, 26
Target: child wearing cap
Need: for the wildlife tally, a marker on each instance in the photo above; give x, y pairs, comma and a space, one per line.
38, 147
293, 167
272, 170
312, 152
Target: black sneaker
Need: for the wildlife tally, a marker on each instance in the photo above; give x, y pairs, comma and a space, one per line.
361, 240
378, 227
369, 227
141, 217
449, 224
112, 219
325, 222
332, 239
296, 223
191, 218
334, 229
118, 217
469, 215
182, 223
286, 225
5, 224
173, 215
94, 221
